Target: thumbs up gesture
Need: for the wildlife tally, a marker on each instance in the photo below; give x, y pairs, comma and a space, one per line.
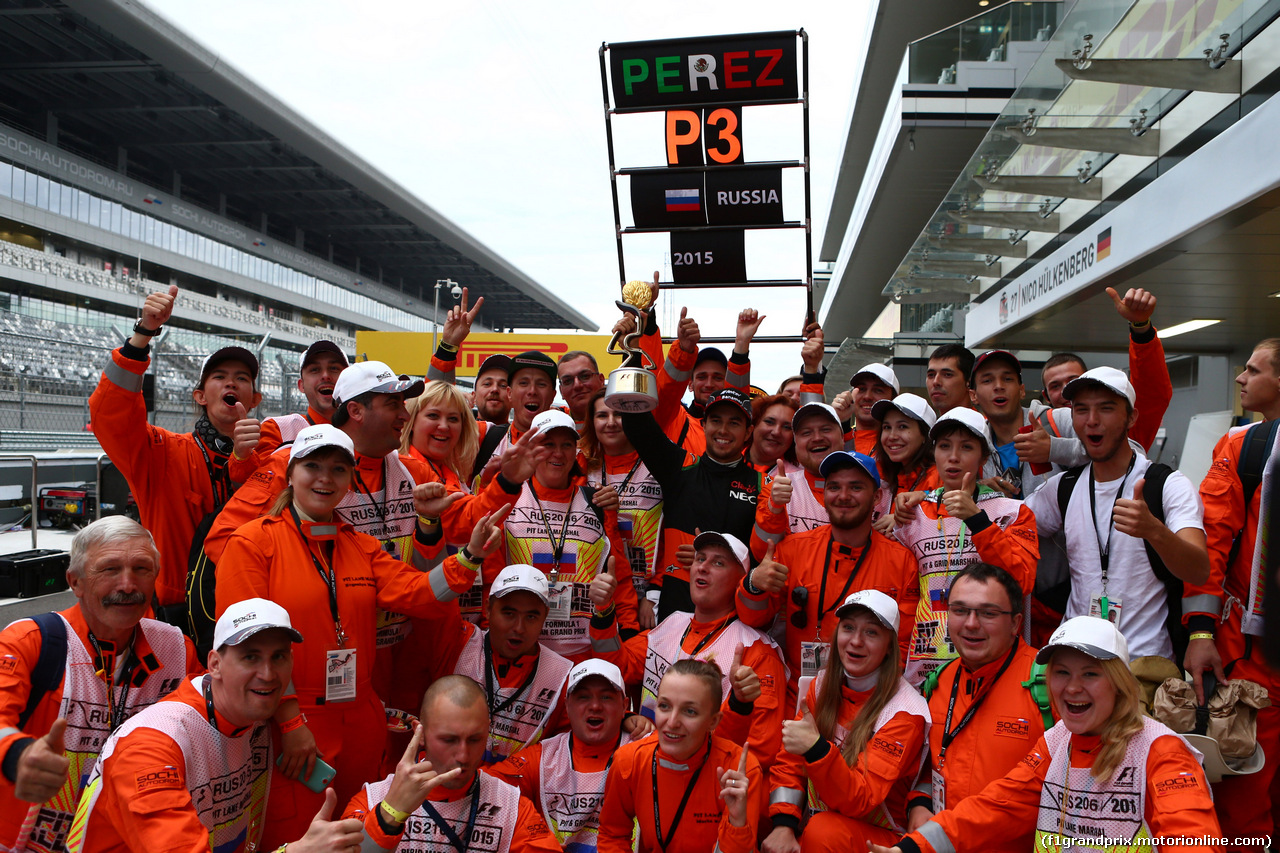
158, 308
603, 588
743, 679
247, 432
687, 332
1136, 306
1133, 517
799, 736
1033, 446
325, 834
770, 576
42, 767
959, 502
780, 493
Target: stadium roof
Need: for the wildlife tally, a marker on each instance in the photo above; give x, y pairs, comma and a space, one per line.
116, 83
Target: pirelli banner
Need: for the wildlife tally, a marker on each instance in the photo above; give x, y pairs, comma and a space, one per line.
710, 193
410, 352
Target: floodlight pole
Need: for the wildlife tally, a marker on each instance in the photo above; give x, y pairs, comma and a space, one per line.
435, 312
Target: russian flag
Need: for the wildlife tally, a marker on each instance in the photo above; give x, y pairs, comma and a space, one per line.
938, 599
150, 199
683, 200
546, 561
626, 527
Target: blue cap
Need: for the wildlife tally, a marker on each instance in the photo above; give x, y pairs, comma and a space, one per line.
838, 459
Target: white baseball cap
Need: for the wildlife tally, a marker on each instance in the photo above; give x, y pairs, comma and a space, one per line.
242, 620
810, 408
911, 405
594, 666
319, 436
884, 607
371, 376
1108, 377
521, 577
709, 538
1096, 637
880, 371
969, 419
545, 422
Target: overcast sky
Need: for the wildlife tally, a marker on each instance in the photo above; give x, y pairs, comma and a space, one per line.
492, 113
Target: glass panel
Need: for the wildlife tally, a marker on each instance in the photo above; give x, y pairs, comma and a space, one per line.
56, 194
30, 190
42, 193
19, 183
6, 179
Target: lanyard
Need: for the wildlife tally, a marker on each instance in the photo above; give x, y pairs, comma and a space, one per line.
946, 543
219, 477
823, 610
622, 487
117, 710
328, 575
557, 548
607, 764
454, 838
491, 687
1104, 548
379, 511
684, 801
948, 733
705, 641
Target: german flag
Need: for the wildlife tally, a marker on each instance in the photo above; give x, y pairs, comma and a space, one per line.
1104, 244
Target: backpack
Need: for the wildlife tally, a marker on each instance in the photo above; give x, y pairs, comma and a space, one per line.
1035, 685
1258, 441
1153, 494
492, 438
50, 665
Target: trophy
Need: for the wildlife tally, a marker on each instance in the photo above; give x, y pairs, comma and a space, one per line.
632, 387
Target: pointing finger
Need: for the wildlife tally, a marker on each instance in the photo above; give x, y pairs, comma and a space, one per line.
411, 751
742, 762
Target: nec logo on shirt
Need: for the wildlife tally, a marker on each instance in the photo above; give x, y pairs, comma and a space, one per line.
738, 494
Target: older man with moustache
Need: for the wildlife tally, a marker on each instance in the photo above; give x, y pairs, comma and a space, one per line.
69, 679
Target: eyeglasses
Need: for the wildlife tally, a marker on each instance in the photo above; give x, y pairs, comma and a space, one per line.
577, 379
985, 614
800, 598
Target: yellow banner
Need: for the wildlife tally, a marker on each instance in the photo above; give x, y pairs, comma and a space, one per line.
410, 352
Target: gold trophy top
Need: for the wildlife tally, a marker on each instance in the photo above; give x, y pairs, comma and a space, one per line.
637, 296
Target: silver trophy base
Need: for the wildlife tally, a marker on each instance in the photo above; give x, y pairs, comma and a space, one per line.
632, 390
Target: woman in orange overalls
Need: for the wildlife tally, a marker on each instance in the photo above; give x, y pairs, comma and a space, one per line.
331, 579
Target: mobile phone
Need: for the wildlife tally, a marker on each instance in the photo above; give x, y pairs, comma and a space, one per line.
319, 778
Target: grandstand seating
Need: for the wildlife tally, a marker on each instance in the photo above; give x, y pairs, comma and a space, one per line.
22, 257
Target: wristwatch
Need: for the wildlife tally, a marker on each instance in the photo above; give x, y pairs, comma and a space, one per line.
139, 329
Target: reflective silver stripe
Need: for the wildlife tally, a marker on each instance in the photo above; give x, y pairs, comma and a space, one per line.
4, 733
612, 644
741, 381
435, 373
792, 796
1202, 604
766, 535
439, 583
677, 375
368, 845
126, 379
752, 603
934, 834
810, 397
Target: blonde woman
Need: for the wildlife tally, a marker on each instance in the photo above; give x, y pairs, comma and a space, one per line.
1106, 777
442, 432
851, 756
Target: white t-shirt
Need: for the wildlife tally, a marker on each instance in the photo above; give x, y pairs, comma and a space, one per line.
1130, 579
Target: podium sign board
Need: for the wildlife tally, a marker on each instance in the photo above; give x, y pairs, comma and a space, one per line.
710, 194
